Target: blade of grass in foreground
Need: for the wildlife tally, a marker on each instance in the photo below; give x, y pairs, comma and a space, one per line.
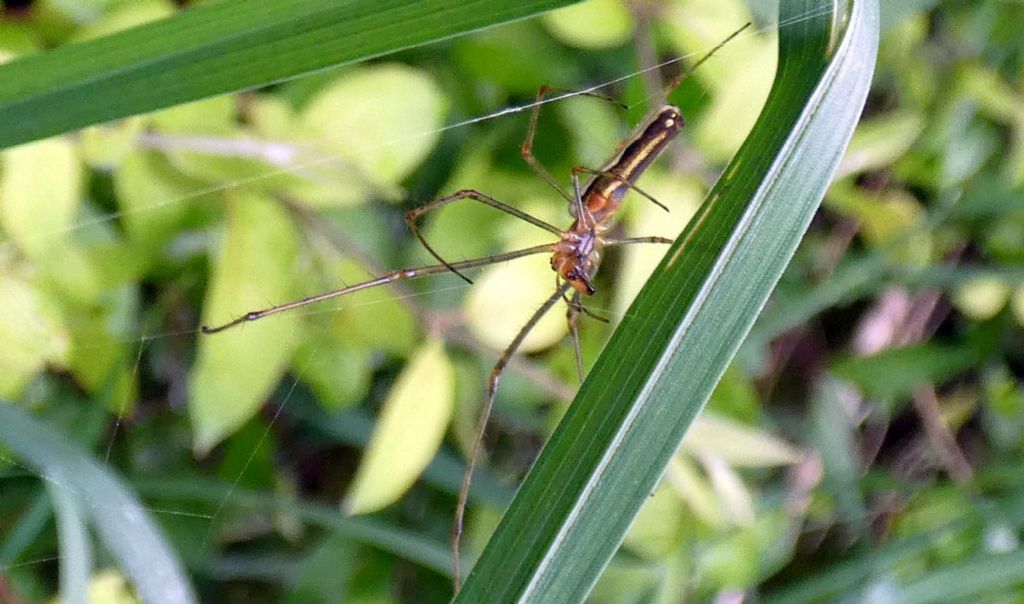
664, 360
221, 47
84, 489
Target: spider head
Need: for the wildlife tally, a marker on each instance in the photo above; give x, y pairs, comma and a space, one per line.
579, 280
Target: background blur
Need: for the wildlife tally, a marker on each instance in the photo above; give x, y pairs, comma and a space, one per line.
865, 444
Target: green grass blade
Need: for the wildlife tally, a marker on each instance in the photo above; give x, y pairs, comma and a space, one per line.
75, 553
664, 360
849, 576
970, 581
221, 47
122, 523
377, 532
979, 577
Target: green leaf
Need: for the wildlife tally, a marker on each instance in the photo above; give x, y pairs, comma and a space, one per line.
594, 125
409, 432
858, 573
204, 140
833, 431
324, 574
979, 577
122, 523
516, 57
15, 39
677, 338
338, 373
236, 370
354, 427
895, 372
220, 47
881, 140
208, 116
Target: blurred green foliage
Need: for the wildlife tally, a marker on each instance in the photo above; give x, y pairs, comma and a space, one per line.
865, 445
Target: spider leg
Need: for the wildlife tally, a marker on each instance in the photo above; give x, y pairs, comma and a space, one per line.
572, 316
396, 275
485, 415
412, 215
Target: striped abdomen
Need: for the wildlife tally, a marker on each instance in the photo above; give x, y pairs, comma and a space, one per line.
604, 194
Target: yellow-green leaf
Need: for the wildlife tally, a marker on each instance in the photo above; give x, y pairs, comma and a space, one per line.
130, 14
737, 444
236, 369
1017, 304
696, 491
215, 115
681, 196
883, 216
152, 197
408, 433
203, 139
376, 124
110, 587
592, 24
880, 141
982, 298
738, 78
105, 145
40, 191
734, 497
658, 527
271, 117
373, 318
98, 357
505, 296
69, 270
595, 127
32, 334
16, 40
